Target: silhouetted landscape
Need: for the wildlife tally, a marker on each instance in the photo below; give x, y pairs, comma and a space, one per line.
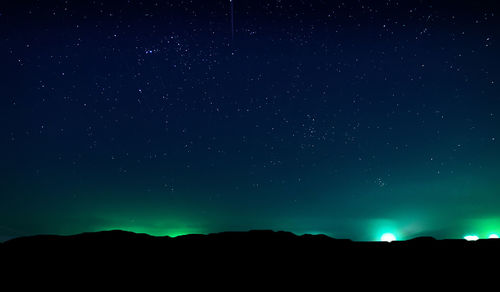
241, 247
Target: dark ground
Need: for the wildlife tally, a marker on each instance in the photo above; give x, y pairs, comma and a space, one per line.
244, 251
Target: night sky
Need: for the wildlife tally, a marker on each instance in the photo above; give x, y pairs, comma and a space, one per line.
348, 118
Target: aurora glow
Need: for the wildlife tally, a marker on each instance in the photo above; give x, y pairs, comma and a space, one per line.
347, 118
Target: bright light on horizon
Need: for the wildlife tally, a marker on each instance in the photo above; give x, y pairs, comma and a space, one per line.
471, 237
491, 236
387, 237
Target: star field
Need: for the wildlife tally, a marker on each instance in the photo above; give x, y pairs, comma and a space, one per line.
349, 118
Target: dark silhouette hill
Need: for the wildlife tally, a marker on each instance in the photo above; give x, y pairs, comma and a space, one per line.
227, 244
261, 241
241, 253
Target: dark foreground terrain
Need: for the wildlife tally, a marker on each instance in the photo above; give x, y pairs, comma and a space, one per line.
265, 252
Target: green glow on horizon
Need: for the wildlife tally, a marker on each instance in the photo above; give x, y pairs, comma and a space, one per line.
385, 230
151, 225
484, 227
171, 232
493, 235
314, 233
